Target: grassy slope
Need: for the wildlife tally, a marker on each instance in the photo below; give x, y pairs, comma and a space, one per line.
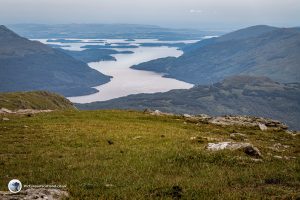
34, 100
70, 147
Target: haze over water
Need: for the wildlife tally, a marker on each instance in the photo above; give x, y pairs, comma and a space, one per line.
127, 81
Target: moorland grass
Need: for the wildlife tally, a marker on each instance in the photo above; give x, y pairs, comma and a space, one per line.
131, 155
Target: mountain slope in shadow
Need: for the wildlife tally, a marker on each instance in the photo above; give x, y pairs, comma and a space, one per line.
29, 65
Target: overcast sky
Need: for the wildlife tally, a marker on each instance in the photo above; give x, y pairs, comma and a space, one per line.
200, 14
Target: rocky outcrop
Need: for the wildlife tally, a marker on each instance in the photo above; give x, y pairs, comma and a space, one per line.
158, 113
39, 194
262, 123
247, 148
228, 120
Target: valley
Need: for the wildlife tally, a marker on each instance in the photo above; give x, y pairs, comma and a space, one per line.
125, 80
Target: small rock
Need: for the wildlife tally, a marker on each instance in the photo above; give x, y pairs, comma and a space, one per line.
5, 119
110, 142
187, 116
262, 127
4, 110
25, 126
256, 160
279, 157
217, 146
286, 157
157, 112
252, 151
137, 137
252, 159
109, 185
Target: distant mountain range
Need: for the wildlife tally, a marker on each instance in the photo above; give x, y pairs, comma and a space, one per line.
29, 65
253, 71
257, 51
130, 31
238, 95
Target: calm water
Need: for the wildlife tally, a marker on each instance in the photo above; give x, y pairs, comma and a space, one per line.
128, 81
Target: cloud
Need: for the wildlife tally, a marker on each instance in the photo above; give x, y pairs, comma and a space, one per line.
195, 11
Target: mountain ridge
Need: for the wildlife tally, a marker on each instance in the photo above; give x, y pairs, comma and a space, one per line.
30, 65
272, 52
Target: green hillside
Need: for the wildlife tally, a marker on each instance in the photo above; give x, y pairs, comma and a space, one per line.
134, 155
40, 100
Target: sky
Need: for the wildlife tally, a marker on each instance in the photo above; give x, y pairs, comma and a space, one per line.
198, 14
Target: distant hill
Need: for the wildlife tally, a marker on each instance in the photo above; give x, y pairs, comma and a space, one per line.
239, 95
115, 31
38, 100
29, 65
258, 51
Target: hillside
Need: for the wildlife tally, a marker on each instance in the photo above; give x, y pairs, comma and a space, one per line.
238, 95
134, 155
39, 100
28, 65
257, 51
